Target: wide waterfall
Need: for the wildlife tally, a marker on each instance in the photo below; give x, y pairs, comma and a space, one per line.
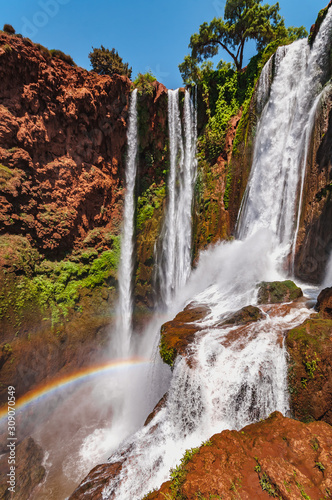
173, 261
233, 377
125, 304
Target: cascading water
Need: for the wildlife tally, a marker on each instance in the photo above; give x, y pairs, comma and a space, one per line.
235, 376
174, 259
125, 304
282, 140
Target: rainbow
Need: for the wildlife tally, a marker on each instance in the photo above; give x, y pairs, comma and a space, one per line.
65, 381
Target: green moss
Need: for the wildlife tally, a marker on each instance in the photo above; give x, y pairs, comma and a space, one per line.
278, 291
167, 354
55, 287
150, 200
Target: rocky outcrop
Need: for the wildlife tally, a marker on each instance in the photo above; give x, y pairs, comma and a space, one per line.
315, 233
277, 457
62, 138
324, 303
29, 471
310, 369
178, 334
277, 292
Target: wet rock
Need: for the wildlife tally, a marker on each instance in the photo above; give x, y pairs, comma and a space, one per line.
324, 303
178, 334
310, 370
156, 409
278, 291
277, 457
29, 471
245, 315
92, 486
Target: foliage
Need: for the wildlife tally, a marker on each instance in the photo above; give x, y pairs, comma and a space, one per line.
266, 485
61, 55
178, 474
8, 28
243, 20
56, 286
144, 83
108, 62
320, 466
167, 354
148, 202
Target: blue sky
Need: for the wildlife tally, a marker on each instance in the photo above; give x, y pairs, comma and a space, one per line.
148, 34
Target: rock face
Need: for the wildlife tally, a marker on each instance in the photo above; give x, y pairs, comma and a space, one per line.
29, 471
310, 364
324, 303
62, 137
315, 233
277, 292
62, 158
278, 457
177, 335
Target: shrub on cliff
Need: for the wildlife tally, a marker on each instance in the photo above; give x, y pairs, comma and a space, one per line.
108, 62
61, 55
8, 28
144, 83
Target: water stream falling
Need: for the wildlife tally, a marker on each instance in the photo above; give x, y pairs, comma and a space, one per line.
282, 140
236, 376
173, 262
125, 304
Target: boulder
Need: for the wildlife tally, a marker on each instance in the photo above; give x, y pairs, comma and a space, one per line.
277, 292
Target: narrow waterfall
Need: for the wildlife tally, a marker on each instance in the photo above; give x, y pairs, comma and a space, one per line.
282, 140
174, 259
125, 303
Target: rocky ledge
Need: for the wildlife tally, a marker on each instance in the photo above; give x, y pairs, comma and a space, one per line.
279, 458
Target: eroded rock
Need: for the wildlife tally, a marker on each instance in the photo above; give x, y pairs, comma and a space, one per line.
277, 457
310, 370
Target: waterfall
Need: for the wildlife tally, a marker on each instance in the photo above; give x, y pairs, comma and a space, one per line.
235, 375
282, 140
125, 303
173, 263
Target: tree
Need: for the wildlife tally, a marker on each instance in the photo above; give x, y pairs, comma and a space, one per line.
243, 20
108, 62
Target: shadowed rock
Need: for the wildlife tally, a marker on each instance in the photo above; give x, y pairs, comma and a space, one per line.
277, 292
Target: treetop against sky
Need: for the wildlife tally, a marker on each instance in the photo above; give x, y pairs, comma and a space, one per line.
149, 35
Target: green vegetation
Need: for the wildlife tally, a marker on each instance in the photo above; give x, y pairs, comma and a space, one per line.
53, 287
150, 200
178, 475
266, 485
144, 83
167, 354
243, 20
278, 291
55, 53
320, 466
61, 55
8, 28
108, 62
314, 444
320, 18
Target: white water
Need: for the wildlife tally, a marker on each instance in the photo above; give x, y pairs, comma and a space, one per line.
174, 255
282, 141
125, 305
